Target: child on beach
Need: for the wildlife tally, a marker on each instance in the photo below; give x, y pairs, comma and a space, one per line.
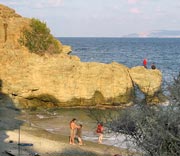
79, 134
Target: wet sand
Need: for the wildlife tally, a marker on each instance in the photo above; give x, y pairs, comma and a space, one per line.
47, 144
57, 122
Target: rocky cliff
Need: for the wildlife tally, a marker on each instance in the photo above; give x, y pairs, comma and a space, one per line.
11, 26
61, 79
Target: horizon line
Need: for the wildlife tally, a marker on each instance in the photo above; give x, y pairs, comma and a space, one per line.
114, 37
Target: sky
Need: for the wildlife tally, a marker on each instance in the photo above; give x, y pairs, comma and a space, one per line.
101, 18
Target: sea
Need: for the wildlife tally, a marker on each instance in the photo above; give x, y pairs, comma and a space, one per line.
163, 52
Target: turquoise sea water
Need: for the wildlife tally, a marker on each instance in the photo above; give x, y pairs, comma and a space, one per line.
164, 52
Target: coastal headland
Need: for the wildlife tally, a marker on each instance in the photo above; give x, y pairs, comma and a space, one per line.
31, 81
62, 80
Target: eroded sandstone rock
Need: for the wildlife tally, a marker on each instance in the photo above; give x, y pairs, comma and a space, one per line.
70, 81
149, 82
61, 79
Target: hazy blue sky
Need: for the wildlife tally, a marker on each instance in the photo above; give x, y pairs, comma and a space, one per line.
101, 18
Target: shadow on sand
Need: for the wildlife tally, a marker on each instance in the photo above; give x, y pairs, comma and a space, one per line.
8, 121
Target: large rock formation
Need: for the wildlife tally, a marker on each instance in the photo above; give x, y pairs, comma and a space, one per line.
61, 79
28, 76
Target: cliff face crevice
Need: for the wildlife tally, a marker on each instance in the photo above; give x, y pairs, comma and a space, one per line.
63, 79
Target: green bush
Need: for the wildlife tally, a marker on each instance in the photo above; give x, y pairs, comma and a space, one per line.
37, 38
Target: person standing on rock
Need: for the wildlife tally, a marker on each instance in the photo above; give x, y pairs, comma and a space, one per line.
153, 66
145, 63
73, 128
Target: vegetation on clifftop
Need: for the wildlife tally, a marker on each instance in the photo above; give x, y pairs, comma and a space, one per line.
37, 38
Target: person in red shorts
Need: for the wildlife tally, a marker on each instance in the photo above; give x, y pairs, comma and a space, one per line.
99, 131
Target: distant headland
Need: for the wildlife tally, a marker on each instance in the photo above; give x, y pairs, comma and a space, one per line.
156, 34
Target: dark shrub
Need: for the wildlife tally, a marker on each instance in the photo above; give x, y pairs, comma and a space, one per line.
37, 38
155, 129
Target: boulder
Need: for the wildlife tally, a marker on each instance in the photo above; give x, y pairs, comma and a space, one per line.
148, 81
28, 76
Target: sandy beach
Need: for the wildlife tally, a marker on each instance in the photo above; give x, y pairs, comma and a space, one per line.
48, 144
13, 129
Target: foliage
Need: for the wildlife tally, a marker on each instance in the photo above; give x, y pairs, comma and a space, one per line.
101, 115
154, 129
38, 39
175, 91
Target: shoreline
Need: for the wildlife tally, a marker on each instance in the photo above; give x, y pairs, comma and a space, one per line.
45, 143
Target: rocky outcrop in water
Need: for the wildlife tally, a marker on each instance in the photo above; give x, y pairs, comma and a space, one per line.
149, 82
62, 80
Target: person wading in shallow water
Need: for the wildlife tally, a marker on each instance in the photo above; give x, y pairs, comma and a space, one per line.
79, 134
73, 128
99, 131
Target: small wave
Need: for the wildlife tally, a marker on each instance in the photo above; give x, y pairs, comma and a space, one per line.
50, 130
41, 116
